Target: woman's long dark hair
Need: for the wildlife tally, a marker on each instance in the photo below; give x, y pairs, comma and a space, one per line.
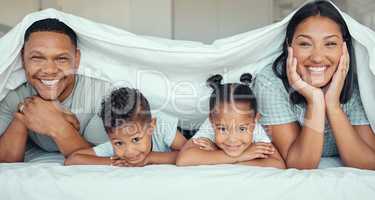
324, 9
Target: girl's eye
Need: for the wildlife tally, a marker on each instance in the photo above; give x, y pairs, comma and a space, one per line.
243, 129
118, 143
136, 140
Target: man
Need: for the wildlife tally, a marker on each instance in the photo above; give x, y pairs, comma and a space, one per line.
42, 109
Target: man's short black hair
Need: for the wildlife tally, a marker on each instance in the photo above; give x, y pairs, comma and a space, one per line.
51, 25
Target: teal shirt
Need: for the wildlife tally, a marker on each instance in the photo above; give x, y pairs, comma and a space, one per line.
276, 108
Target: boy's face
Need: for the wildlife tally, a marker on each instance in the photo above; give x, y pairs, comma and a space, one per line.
132, 141
233, 124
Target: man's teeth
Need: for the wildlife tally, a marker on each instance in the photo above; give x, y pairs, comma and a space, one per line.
50, 82
317, 69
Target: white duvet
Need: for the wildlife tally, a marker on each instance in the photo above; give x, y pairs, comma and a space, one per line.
171, 73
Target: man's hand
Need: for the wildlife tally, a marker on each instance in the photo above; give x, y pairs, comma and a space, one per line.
44, 117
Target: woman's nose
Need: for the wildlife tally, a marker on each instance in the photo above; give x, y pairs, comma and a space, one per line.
317, 55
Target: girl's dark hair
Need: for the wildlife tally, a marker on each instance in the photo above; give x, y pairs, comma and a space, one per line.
124, 105
231, 92
324, 9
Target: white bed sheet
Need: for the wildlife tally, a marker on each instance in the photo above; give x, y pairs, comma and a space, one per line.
52, 181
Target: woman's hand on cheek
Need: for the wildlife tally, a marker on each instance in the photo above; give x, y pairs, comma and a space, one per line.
311, 94
332, 95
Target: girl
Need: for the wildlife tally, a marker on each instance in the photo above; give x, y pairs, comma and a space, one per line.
136, 139
310, 100
229, 139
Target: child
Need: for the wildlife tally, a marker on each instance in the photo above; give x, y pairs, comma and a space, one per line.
229, 139
136, 139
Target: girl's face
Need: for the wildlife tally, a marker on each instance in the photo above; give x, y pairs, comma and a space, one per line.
132, 141
317, 45
233, 124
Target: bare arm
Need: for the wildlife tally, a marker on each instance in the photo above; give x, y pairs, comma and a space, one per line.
191, 154
13, 142
356, 144
301, 148
274, 160
87, 157
168, 157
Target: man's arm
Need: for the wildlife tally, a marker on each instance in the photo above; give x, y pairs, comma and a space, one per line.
13, 142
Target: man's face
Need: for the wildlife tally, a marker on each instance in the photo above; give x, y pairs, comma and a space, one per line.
50, 61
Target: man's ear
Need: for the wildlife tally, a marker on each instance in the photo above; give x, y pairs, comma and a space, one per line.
77, 58
22, 56
257, 117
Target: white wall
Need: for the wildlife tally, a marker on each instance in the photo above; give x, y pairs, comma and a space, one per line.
12, 11
138, 16
212, 19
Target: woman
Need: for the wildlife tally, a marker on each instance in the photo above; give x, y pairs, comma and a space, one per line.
310, 100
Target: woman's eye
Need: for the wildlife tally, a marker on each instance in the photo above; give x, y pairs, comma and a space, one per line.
304, 44
331, 44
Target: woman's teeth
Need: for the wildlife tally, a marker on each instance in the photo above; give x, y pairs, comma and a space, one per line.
49, 82
317, 69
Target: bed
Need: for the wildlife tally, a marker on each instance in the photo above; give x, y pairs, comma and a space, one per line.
35, 180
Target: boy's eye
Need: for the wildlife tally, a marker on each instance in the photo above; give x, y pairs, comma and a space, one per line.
118, 143
136, 140
222, 130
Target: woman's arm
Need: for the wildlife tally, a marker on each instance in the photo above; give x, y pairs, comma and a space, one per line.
301, 148
356, 144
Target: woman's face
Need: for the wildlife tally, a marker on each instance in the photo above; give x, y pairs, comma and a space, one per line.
317, 45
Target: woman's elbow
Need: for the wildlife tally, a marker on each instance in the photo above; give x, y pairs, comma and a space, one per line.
367, 165
301, 164
71, 159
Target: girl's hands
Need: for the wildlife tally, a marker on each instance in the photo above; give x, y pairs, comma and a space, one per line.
205, 144
257, 150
